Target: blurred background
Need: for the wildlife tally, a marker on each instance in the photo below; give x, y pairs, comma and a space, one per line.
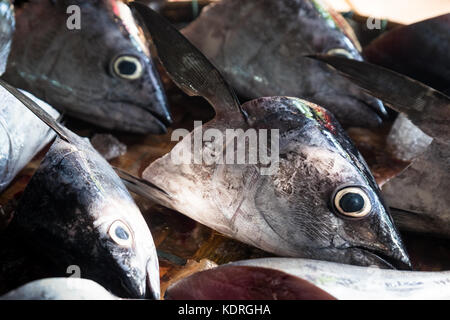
401, 11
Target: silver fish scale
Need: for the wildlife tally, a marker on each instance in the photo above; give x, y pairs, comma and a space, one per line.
22, 135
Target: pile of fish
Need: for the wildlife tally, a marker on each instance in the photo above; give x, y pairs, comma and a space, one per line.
311, 199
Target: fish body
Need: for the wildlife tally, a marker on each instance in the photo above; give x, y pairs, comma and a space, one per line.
420, 50
60, 289
76, 211
7, 23
344, 282
287, 210
22, 135
260, 48
101, 73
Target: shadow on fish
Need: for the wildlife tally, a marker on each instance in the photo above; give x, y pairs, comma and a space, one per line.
322, 202
259, 46
102, 73
417, 195
76, 211
419, 50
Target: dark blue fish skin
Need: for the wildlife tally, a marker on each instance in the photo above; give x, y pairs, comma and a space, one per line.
77, 70
7, 24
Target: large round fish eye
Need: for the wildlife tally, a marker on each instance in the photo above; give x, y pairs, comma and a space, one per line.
340, 52
352, 201
120, 233
127, 67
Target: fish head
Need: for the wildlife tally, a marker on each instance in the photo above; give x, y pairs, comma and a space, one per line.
328, 88
322, 201
78, 213
100, 70
329, 33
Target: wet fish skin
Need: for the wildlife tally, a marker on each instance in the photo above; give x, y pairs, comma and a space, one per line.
288, 212
418, 195
60, 289
7, 24
419, 50
342, 281
76, 211
259, 46
22, 135
72, 69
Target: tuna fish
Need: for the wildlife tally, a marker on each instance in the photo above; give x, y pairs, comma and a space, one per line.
99, 71
260, 47
76, 211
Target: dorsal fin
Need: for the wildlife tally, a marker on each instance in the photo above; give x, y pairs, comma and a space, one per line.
426, 107
38, 111
139, 186
186, 65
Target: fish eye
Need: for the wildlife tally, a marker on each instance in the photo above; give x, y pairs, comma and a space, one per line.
340, 52
352, 202
120, 233
128, 67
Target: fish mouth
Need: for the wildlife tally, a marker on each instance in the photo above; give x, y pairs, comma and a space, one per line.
376, 105
164, 121
400, 263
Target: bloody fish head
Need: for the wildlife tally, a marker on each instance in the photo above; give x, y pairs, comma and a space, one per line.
76, 211
323, 201
100, 71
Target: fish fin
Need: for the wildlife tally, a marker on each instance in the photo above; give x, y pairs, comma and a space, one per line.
186, 65
38, 111
426, 107
141, 187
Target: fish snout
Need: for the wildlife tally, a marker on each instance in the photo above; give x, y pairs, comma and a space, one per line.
153, 290
395, 252
376, 105
388, 250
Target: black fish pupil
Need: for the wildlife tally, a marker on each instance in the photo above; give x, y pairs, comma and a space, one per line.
121, 233
127, 67
351, 202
